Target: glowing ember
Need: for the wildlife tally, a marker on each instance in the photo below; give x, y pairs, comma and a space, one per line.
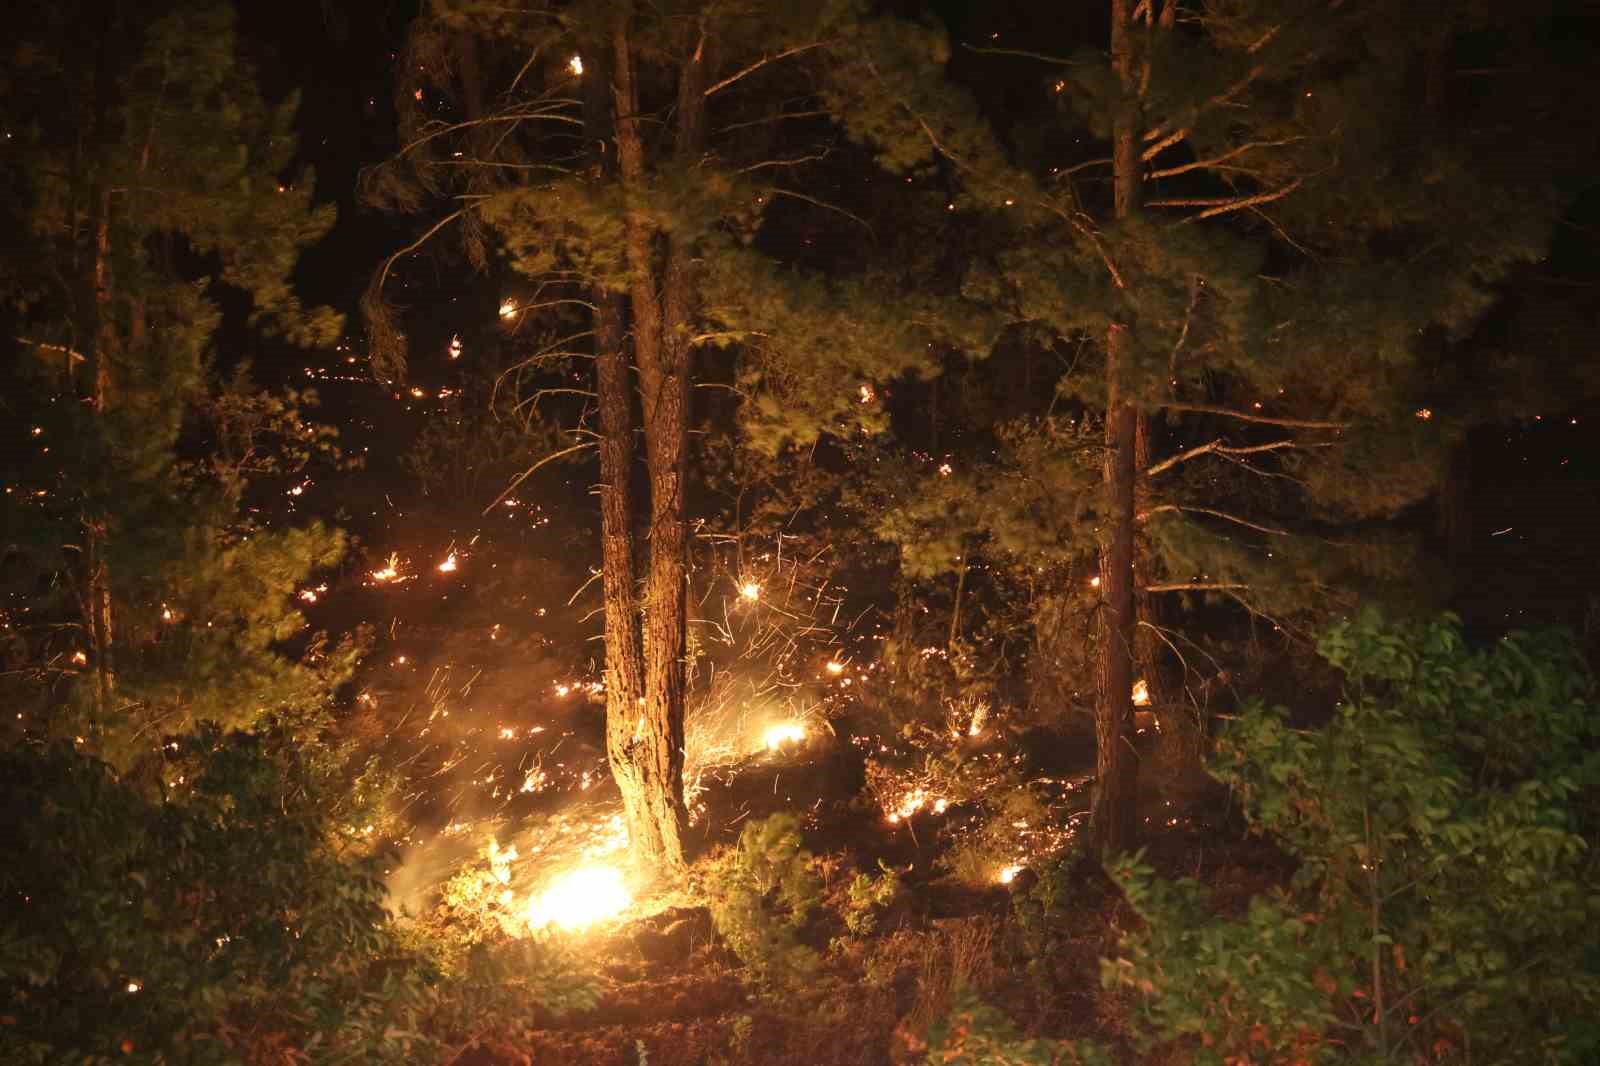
508, 308
575, 64
750, 591
866, 394
449, 564
1141, 693
1009, 874
166, 613
134, 986
580, 898
835, 667
80, 658
1425, 413
309, 595
455, 346
945, 469
784, 733
1094, 582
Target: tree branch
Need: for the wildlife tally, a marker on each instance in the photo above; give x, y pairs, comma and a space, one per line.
526, 474
1200, 164
1269, 530
1246, 416
763, 61
1220, 448
1192, 586
1219, 205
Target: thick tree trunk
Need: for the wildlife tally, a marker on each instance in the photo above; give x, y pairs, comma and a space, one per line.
1114, 814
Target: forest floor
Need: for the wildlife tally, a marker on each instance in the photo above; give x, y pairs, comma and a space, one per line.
670, 992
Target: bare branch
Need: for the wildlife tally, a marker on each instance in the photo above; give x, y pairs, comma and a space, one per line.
1219, 447
1218, 205
1180, 508
526, 474
783, 162
1246, 416
1021, 53
763, 61
1214, 161
1193, 586
827, 207
73, 353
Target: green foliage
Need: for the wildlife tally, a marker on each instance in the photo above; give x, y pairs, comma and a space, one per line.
762, 894
1443, 822
870, 896
228, 922
147, 169
976, 1034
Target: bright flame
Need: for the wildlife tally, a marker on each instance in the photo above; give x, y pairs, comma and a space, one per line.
1141, 693
835, 667
166, 613
390, 571
1425, 413
867, 394
750, 591
79, 658
449, 564
580, 898
508, 308
455, 346
134, 986
1009, 874
575, 65
945, 469
1094, 582
784, 733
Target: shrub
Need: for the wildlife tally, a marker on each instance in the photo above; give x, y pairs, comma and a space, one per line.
1445, 895
219, 924
762, 893
870, 897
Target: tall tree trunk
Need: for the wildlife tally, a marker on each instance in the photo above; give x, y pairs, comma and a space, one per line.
102, 331
661, 347
614, 388
1113, 814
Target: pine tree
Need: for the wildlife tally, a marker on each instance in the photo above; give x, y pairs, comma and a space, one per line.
642, 242
1282, 224
143, 167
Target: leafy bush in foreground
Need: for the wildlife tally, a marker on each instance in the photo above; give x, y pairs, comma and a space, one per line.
1445, 908
761, 895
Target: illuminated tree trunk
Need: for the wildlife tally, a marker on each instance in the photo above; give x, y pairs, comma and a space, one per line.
1116, 767
661, 295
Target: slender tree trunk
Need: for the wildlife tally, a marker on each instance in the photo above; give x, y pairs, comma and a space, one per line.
1114, 813
661, 316
103, 334
614, 388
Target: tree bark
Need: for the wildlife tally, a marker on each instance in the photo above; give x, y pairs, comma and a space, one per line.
660, 291
619, 582
1113, 813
